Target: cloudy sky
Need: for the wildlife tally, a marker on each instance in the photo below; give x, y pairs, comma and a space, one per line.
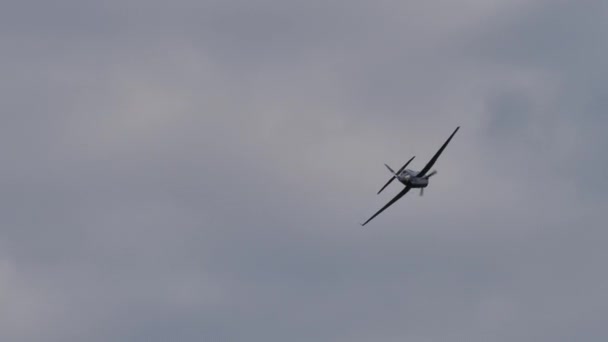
197, 170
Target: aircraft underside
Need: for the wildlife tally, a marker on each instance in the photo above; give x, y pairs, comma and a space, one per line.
415, 182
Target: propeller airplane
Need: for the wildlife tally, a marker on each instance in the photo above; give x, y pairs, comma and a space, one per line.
412, 179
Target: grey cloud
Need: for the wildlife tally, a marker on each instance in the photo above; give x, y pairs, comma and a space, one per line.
197, 170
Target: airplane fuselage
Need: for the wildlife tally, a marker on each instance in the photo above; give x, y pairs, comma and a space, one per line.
408, 178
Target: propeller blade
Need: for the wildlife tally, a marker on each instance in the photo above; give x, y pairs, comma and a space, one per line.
434, 172
421, 191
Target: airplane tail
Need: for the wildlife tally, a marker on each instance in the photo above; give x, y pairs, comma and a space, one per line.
391, 170
395, 173
390, 180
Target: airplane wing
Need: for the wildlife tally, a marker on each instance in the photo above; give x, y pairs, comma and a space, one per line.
399, 195
434, 159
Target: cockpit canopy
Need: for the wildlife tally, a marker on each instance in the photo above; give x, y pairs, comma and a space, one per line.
410, 173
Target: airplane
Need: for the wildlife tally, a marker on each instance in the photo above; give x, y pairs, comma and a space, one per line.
412, 179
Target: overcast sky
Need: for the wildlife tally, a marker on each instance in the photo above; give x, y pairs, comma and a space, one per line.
197, 170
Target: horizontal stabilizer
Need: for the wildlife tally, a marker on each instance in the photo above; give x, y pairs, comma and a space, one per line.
395, 174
